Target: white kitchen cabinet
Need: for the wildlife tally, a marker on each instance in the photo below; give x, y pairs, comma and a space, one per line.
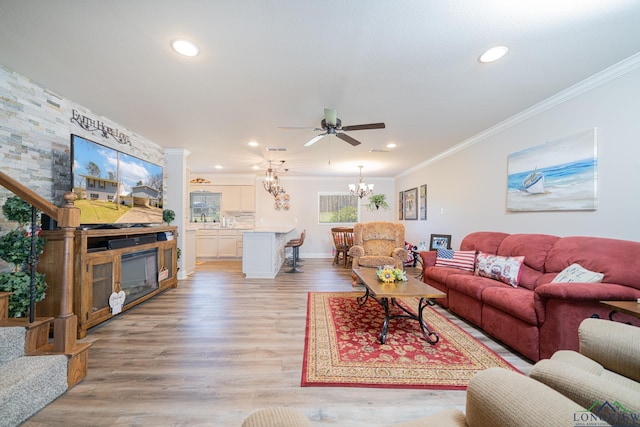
219, 243
207, 243
231, 198
227, 243
247, 198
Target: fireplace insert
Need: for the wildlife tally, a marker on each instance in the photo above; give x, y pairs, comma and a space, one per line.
139, 274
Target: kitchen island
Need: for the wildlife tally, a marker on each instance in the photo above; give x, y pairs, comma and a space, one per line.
263, 251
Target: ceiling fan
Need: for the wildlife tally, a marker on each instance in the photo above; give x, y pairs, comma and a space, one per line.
332, 125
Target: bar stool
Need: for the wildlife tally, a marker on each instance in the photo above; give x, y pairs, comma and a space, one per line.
299, 261
295, 245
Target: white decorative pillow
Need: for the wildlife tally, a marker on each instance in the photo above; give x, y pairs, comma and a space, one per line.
503, 268
577, 273
464, 260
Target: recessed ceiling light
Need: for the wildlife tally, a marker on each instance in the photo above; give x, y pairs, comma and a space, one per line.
218, 166
185, 47
253, 144
391, 145
494, 54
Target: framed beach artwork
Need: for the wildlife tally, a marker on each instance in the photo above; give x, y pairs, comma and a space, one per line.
423, 202
559, 175
411, 204
400, 206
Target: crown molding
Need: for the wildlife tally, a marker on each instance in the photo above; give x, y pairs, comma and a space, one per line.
609, 74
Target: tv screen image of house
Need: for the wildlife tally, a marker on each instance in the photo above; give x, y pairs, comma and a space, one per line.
114, 187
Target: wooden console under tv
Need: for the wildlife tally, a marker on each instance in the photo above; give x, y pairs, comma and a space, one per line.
98, 269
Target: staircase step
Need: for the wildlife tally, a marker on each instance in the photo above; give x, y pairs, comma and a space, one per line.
28, 384
37, 332
11, 344
78, 360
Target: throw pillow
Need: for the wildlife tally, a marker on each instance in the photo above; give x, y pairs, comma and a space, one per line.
577, 273
503, 268
464, 260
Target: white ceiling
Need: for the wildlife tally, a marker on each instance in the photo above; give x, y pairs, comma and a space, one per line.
269, 63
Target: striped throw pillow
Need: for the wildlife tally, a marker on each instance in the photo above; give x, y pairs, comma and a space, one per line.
464, 260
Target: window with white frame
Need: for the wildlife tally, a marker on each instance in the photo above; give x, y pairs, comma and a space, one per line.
337, 208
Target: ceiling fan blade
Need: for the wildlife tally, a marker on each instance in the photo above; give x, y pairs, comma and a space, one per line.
347, 138
299, 128
364, 127
314, 139
330, 116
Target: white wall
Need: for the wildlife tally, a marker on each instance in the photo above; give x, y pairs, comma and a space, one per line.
467, 190
303, 212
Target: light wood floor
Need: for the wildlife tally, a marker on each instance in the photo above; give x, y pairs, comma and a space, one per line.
221, 346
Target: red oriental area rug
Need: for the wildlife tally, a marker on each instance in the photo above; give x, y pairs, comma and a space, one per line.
342, 347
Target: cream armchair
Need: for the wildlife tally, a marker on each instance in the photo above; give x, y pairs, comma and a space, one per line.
378, 243
606, 369
496, 397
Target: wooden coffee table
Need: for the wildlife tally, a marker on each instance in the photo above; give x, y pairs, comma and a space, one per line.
628, 307
383, 292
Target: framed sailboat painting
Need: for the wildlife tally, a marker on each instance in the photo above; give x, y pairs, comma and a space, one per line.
559, 175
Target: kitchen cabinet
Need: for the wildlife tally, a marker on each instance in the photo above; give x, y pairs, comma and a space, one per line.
208, 200
227, 243
238, 197
207, 243
248, 198
219, 243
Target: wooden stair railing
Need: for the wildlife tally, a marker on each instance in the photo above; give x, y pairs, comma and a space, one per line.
65, 324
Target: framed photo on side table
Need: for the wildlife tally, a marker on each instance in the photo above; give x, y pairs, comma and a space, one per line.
411, 204
442, 241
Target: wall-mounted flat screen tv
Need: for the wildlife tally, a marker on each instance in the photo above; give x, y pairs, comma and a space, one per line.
114, 188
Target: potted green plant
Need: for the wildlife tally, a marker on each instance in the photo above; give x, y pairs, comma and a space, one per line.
377, 201
15, 249
168, 215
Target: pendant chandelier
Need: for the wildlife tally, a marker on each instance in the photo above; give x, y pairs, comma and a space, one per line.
360, 189
271, 182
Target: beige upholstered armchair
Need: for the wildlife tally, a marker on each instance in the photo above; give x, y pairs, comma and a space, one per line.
378, 243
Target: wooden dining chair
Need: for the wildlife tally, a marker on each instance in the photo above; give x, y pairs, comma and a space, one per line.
342, 240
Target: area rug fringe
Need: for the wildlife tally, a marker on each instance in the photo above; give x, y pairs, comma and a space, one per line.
342, 348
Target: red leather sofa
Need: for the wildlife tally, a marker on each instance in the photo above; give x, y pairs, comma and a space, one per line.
538, 317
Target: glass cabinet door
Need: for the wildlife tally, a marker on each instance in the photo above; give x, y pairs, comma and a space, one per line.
205, 206
102, 276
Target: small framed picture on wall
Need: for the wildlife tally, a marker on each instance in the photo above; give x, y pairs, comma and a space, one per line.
423, 202
400, 206
411, 204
